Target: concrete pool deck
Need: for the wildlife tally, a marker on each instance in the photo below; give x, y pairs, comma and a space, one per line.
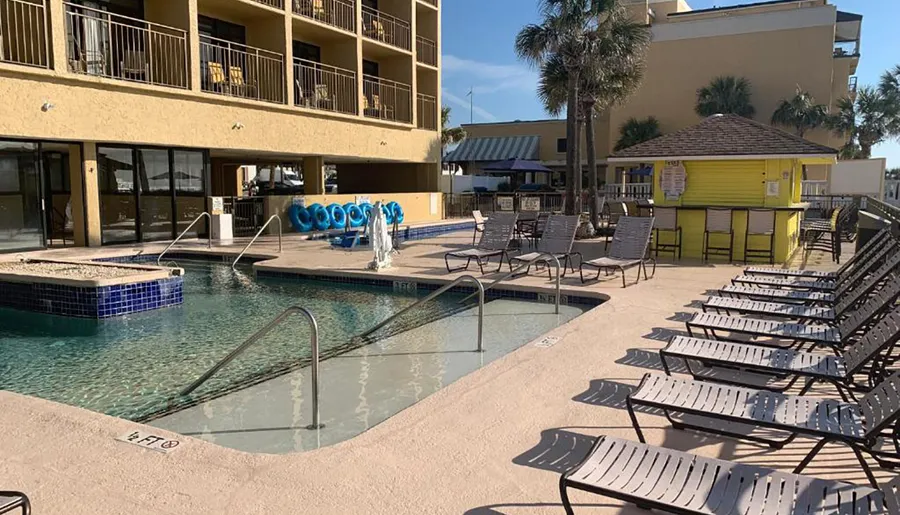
492, 442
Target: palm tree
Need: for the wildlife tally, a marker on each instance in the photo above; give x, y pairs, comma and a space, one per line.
725, 95
635, 131
890, 89
866, 121
449, 135
801, 112
614, 66
563, 33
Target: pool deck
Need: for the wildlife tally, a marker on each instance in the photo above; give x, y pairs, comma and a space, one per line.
492, 442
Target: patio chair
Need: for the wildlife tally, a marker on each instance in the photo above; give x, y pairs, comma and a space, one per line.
718, 223
10, 500
857, 425
814, 367
479, 224
216, 73
813, 232
629, 248
834, 336
557, 239
667, 220
498, 231
883, 237
801, 311
535, 229
760, 223
236, 81
135, 65
839, 286
686, 484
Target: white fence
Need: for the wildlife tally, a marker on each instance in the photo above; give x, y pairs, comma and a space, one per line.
464, 183
814, 188
629, 191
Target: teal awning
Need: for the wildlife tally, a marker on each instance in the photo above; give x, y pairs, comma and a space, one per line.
496, 149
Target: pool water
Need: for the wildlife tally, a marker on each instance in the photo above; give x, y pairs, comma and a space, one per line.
134, 366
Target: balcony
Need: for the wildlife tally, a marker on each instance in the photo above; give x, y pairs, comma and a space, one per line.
324, 87
277, 4
385, 28
23, 33
123, 48
337, 13
243, 71
426, 51
386, 99
426, 108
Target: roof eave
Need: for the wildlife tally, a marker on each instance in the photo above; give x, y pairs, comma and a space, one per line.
644, 159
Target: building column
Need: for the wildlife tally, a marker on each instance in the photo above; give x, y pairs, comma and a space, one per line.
85, 194
194, 46
314, 175
57, 15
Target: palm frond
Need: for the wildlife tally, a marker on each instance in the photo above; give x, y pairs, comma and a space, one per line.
725, 95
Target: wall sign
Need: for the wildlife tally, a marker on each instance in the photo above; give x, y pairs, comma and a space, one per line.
363, 199
299, 201
505, 203
673, 180
218, 206
530, 204
773, 188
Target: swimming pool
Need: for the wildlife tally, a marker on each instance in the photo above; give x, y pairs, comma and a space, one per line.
134, 366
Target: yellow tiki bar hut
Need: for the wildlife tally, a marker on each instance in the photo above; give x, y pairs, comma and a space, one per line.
710, 179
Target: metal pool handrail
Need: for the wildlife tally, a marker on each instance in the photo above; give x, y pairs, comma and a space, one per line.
437, 293
525, 265
273, 217
208, 240
258, 335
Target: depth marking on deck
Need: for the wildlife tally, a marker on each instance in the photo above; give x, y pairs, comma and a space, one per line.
150, 441
547, 341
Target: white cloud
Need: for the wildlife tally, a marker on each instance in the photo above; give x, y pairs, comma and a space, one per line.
489, 77
481, 113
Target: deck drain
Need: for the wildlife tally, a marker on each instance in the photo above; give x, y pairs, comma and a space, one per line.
547, 341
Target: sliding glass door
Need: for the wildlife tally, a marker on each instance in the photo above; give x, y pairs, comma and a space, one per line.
21, 224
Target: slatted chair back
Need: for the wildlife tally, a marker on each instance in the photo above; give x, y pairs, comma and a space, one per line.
236, 75
216, 72
883, 237
845, 283
559, 235
760, 222
631, 238
666, 218
876, 304
718, 220
498, 230
881, 406
835, 215
479, 218
854, 295
885, 332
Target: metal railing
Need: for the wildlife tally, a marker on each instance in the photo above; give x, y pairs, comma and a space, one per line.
208, 239
273, 217
426, 51
278, 4
813, 188
314, 347
337, 13
544, 256
430, 2
629, 191
386, 28
435, 294
236, 70
325, 87
462, 204
118, 47
248, 214
23, 33
426, 110
387, 99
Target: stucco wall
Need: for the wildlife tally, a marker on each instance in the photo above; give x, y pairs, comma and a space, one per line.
416, 206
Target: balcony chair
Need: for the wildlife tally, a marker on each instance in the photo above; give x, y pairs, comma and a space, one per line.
217, 81
237, 82
135, 66
376, 31
324, 100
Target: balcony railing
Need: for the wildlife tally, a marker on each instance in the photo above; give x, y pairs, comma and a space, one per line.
426, 109
337, 13
385, 28
320, 86
23, 32
629, 191
852, 85
814, 188
431, 2
278, 4
386, 99
426, 51
236, 70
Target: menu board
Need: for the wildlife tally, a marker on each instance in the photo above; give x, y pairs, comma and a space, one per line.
673, 180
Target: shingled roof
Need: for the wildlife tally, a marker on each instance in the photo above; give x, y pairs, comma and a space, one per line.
721, 136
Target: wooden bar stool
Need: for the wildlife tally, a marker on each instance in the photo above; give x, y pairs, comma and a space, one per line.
760, 222
718, 222
667, 220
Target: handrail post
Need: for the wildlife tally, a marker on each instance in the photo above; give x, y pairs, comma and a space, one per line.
208, 239
258, 335
541, 257
263, 228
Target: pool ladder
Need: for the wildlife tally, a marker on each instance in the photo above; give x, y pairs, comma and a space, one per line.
544, 256
263, 228
258, 335
208, 239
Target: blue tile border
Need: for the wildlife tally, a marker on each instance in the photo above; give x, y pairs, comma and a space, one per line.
173, 256
94, 301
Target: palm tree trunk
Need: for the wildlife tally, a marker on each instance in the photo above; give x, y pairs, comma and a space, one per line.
865, 150
571, 141
592, 162
579, 172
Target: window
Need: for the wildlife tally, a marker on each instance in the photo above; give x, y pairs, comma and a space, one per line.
222, 29
371, 4
561, 145
307, 52
370, 68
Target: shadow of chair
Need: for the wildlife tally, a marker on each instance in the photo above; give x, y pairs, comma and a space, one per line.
649, 359
558, 451
663, 334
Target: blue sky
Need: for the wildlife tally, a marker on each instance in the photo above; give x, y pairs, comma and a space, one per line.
478, 38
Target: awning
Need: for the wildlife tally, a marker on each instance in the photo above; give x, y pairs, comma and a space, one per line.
496, 149
646, 171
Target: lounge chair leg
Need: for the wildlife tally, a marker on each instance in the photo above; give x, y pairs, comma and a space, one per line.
815, 450
634, 421
564, 495
665, 364
581, 273
500, 266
